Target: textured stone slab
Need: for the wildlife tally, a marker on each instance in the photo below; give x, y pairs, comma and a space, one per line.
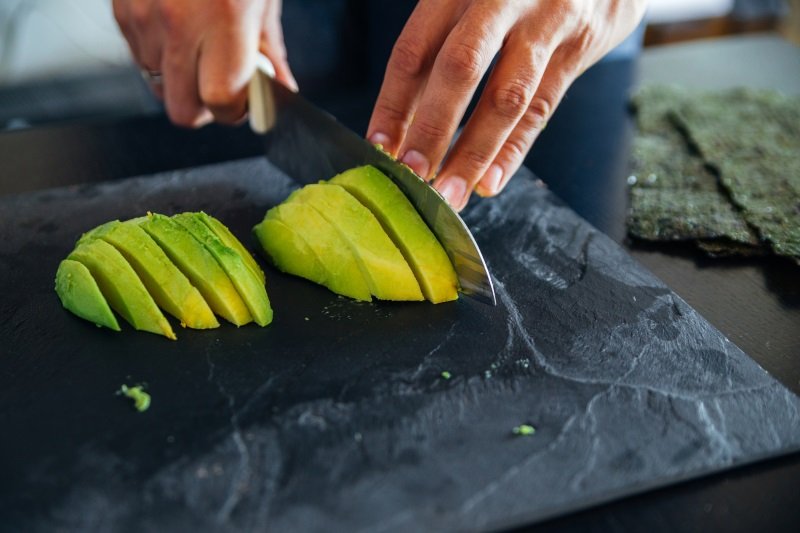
337, 416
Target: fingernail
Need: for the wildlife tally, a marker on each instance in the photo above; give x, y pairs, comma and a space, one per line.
491, 180
453, 189
418, 162
380, 138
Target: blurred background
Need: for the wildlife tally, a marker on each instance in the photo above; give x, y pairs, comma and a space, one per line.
65, 59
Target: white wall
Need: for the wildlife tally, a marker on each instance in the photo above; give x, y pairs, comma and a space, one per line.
49, 38
665, 11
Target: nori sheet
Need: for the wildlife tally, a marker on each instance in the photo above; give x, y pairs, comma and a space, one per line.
753, 139
676, 214
674, 195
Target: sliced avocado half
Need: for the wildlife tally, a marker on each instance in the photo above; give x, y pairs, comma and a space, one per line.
402, 222
383, 266
247, 282
200, 266
121, 286
168, 286
300, 241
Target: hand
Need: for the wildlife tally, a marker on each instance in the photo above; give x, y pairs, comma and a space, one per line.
442, 54
205, 51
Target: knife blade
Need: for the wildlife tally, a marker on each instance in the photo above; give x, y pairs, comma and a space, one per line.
310, 145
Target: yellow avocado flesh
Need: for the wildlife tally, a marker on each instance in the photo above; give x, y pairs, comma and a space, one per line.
289, 251
383, 266
300, 235
230, 240
402, 222
247, 283
202, 269
80, 294
122, 287
169, 287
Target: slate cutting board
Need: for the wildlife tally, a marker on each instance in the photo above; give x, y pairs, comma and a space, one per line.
336, 416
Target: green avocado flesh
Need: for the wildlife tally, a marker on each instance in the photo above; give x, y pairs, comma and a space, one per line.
121, 286
197, 263
405, 227
247, 282
297, 238
386, 271
230, 240
172, 291
80, 294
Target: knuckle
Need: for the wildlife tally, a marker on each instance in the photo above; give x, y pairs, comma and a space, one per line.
516, 147
476, 160
391, 112
539, 111
138, 13
183, 116
462, 63
408, 58
218, 96
172, 15
430, 130
511, 99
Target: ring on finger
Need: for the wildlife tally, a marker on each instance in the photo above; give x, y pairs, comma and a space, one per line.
152, 76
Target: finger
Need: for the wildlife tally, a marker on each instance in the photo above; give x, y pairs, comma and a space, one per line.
125, 22
144, 36
407, 70
181, 95
273, 46
227, 62
558, 76
508, 94
457, 70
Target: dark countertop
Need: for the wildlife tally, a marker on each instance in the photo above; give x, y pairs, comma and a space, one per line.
582, 156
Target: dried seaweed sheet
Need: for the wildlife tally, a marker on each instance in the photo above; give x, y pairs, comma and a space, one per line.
753, 139
674, 195
675, 214
726, 248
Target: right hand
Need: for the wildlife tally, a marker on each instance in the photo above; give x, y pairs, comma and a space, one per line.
205, 51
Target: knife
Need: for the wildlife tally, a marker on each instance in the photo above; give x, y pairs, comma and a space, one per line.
310, 145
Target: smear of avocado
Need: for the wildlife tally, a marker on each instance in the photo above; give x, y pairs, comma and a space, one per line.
524, 430
141, 400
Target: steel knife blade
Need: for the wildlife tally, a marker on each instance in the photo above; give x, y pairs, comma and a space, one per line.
310, 145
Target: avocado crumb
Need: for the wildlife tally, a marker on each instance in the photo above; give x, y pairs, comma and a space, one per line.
446, 375
141, 400
524, 430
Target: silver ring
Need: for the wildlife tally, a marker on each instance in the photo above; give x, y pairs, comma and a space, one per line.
152, 76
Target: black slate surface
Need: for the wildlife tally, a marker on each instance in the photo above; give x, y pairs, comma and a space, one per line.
336, 416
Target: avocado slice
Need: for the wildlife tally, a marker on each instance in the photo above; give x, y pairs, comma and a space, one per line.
384, 268
169, 287
80, 294
289, 251
405, 227
197, 263
298, 238
230, 240
247, 283
121, 286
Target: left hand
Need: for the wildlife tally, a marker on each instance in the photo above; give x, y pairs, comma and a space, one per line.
440, 57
